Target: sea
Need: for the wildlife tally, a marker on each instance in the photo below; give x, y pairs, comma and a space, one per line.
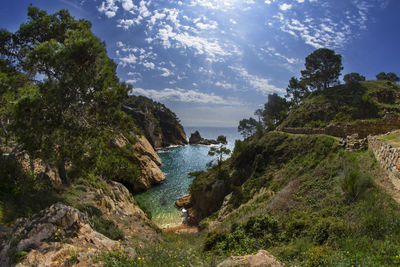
177, 163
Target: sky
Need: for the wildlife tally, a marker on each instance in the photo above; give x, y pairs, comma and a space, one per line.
214, 62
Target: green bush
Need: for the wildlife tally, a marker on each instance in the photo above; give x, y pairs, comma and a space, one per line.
355, 184
100, 224
318, 256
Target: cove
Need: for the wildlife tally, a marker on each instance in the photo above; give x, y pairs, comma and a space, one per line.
177, 163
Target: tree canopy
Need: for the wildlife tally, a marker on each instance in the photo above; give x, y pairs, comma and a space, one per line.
296, 90
275, 110
65, 89
323, 69
391, 76
353, 78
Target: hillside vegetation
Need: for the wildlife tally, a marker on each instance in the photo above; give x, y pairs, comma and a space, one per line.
304, 199
346, 103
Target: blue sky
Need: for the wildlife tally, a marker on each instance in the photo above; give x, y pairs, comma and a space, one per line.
214, 62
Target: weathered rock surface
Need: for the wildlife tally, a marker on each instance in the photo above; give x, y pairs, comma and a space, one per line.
118, 205
55, 236
196, 139
147, 160
158, 123
184, 202
62, 235
261, 259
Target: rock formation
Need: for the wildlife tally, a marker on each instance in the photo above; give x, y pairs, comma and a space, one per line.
147, 160
43, 239
159, 124
184, 202
196, 139
63, 236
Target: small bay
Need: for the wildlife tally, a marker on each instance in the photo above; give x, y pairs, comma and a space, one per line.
177, 163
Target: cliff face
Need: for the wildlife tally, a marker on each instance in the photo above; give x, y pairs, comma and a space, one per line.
147, 161
159, 124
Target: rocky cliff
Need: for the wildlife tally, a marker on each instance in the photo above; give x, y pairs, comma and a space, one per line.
158, 123
62, 235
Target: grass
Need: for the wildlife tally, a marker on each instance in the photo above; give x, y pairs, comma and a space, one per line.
331, 213
174, 250
392, 139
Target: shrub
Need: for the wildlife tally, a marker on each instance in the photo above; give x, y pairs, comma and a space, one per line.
355, 184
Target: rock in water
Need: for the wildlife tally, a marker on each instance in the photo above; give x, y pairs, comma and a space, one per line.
262, 259
196, 139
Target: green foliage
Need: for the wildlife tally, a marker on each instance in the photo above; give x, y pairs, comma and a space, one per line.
391, 76
296, 90
275, 111
319, 223
76, 102
323, 69
353, 78
220, 151
247, 127
100, 224
346, 103
258, 232
22, 193
355, 184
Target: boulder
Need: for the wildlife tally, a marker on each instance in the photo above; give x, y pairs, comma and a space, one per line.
196, 139
55, 236
184, 202
262, 259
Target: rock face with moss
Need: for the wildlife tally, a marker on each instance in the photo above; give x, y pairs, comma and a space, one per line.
158, 123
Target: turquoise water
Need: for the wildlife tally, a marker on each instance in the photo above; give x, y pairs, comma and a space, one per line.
177, 163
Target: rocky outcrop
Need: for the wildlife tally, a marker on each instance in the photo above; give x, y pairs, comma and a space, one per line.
159, 124
149, 163
184, 202
147, 160
209, 198
56, 236
64, 236
262, 259
117, 204
196, 139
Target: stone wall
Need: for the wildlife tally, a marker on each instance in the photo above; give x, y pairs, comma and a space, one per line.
363, 128
388, 157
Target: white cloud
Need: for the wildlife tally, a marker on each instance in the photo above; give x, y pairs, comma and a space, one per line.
285, 6
204, 26
181, 95
127, 4
233, 21
126, 23
166, 72
149, 65
130, 59
300, 1
225, 85
109, 8
260, 84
